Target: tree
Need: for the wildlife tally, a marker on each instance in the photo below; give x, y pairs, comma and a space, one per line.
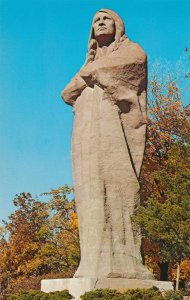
40, 238
165, 217
21, 238
168, 123
27, 230
64, 223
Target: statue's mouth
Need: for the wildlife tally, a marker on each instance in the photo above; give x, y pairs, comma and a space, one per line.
102, 28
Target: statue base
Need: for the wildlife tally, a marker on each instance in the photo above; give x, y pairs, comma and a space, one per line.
78, 286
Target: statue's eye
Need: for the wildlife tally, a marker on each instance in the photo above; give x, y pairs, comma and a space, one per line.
105, 18
96, 20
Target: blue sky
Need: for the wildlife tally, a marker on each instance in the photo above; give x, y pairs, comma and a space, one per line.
42, 45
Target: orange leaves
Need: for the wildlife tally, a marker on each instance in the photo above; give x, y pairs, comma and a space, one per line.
184, 270
167, 116
168, 125
24, 241
42, 237
65, 223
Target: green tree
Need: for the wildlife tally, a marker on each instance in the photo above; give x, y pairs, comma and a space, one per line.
165, 217
168, 124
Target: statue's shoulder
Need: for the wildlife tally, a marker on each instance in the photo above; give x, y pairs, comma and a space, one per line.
129, 48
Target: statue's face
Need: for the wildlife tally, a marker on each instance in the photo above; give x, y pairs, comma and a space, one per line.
103, 25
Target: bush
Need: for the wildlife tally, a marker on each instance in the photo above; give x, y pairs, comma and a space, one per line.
186, 291
143, 294
37, 295
103, 294
132, 294
170, 295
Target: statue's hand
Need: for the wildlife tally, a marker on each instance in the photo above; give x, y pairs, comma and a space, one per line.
87, 74
73, 90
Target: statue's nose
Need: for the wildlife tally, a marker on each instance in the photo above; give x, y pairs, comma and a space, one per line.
101, 23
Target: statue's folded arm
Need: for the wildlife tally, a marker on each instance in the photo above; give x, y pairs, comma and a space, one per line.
73, 90
128, 67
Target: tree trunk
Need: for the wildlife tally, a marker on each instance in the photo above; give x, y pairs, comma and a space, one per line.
164, 271
177, 276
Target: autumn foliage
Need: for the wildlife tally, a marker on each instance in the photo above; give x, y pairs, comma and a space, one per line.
165, 177
40, 238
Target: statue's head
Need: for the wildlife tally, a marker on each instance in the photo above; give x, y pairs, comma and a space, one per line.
103, 26
106, 26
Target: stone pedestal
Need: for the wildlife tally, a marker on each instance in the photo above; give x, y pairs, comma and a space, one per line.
78, 286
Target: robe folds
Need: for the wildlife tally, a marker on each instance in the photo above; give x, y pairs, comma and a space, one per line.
108, 97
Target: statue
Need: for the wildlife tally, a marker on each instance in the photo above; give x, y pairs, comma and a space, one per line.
108, 96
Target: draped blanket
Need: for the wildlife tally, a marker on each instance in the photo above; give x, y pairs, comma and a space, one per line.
108, 97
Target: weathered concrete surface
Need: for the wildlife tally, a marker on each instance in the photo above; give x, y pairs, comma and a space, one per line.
78, 286
108, 96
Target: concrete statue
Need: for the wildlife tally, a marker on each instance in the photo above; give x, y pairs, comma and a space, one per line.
108, 96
